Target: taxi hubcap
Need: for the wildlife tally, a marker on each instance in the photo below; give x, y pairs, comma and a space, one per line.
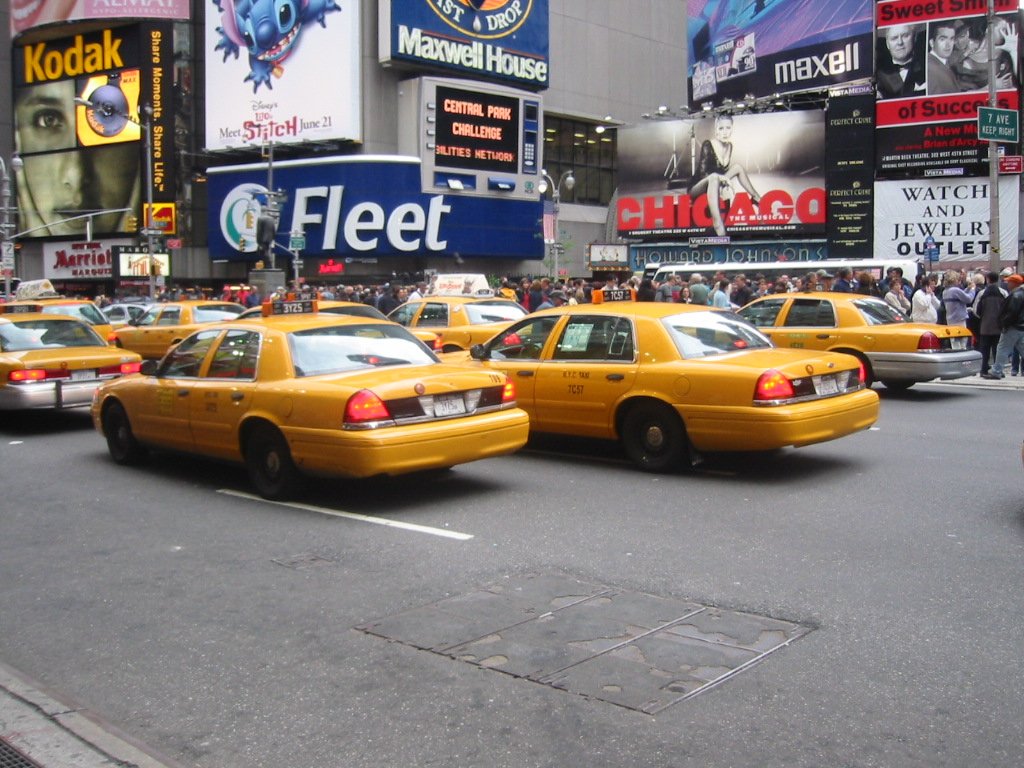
654, 437
273, 464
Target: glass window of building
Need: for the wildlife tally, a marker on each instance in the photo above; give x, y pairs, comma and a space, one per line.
586, 149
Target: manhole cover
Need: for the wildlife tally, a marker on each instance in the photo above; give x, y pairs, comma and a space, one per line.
631, 649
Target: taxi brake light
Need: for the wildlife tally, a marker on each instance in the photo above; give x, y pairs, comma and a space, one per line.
35, 374
121, 369
508, 392
772, 385
862, 372
364, 406
929, 342
438, 344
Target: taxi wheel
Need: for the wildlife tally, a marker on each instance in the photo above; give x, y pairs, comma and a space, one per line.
271, 469
654, 437
123, 447
897, 385
451, 348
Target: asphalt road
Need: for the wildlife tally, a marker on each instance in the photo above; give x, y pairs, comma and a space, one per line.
222, 631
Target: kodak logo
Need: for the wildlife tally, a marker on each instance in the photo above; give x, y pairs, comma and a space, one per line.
80, 58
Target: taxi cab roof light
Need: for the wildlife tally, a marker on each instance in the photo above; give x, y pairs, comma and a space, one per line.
772, 385
365, 406
29, 290
929, 342
289, 306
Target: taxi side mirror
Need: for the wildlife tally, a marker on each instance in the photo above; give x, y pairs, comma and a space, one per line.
478, 352
148, 367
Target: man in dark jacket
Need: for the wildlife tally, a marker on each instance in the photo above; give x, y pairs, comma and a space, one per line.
1011, 321
988, 306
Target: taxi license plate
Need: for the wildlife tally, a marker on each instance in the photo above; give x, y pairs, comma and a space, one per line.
83, 375
959, 342
449, 405
826, 385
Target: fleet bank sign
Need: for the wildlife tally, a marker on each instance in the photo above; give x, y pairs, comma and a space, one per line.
495, 39
361, 206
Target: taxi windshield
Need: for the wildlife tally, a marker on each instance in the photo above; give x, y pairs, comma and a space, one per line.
23, 335
700, 334
338, 348
84, 311
878, 312
479, 313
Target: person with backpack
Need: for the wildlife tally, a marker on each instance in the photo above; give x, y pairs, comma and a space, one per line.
1011, 322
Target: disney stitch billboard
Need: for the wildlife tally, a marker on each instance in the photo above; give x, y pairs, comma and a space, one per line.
285, 71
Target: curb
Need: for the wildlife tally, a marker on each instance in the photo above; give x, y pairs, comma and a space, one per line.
56, 733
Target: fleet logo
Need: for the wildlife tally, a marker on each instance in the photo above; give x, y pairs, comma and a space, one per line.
238, 215
483, 18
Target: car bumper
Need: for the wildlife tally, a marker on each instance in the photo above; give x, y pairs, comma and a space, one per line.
413, 448
924, 366
47, 394
770, 427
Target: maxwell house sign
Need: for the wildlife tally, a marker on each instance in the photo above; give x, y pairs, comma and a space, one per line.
494, 39
355, 207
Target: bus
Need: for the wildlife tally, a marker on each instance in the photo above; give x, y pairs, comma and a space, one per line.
771, 270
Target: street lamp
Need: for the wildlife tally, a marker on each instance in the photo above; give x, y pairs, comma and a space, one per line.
546, 183
106, 110
6, 225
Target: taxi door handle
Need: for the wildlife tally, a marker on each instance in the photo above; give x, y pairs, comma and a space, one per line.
182, 393
236, 396
615, 377
524, 373
824, 335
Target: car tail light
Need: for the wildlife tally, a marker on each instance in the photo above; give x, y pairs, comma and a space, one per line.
35, 374
508, 392
111, 337
123, 369
862, 372
929, 342
365, 406
438, 344
773, 386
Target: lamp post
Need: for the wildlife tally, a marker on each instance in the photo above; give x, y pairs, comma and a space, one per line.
6, 225
107, 110
569, 180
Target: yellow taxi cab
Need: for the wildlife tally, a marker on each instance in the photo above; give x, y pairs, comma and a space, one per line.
460, 321
671, 381
40, 296
54, 361
303, 393
165, 324
337, 307
894, 351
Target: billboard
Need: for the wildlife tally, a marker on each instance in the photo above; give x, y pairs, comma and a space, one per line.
954, 213
740, 49
78, 119
27, 14
726, 177
294, 79
357, 207
932, 74
850, 171
491, 39
473, 137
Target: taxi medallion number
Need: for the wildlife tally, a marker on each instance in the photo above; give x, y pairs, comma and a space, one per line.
449, 406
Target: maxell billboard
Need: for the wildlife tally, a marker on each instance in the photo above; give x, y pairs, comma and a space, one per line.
492, 39
739, 48
932, 74
78, 116
295, 79
736, 177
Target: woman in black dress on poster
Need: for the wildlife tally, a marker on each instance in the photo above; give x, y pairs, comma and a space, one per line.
716, 170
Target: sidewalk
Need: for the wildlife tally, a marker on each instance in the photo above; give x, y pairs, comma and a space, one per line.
1008, 382
34, 724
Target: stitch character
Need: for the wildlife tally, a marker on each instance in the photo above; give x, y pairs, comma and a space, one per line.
268, 29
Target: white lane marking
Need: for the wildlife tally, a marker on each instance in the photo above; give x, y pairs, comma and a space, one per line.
352, 516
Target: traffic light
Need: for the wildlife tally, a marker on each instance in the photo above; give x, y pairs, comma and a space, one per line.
266, 231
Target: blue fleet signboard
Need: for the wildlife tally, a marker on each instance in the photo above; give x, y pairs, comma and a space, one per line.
492, 39
366, 206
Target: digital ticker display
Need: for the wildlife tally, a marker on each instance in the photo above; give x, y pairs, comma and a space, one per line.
477, 130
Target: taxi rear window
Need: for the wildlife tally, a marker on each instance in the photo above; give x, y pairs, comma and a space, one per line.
213, 313
700, 334
334, 349
24, 335
483, 312
85, 311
